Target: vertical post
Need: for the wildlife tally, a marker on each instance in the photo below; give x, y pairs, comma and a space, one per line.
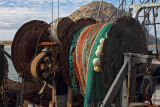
124, 94
17, 100
41, 99
144, 17
129, 77
69, 97
118, 10
125, 85
98, 15
22, 92
122, 9
53, 103
155, 32
1, 71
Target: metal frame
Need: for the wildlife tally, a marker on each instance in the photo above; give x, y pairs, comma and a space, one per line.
5, 53
1, 71
138, 7
129, 59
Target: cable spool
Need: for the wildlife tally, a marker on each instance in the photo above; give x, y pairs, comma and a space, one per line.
24, 45
86, 61
126, 35
65, 35
108, 44
24, 49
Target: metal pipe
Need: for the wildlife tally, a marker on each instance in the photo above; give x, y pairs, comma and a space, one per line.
152, 23
116, 84
1, 71
4, 52
122, 8
155, 32
22, 92
115, 12
99, 10
129, 78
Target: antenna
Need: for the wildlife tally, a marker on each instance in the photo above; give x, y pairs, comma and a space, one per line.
58, 10
52, 10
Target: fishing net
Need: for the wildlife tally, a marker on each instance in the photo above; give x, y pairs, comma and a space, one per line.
81, 55
74, 79
124, 36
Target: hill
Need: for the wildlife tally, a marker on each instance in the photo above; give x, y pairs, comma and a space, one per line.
91, 10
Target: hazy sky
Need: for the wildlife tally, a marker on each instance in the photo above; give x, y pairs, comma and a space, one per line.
14, 13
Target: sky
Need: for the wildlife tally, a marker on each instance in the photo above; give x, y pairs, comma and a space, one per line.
14, 13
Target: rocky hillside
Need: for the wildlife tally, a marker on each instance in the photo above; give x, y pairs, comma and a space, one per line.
91, 10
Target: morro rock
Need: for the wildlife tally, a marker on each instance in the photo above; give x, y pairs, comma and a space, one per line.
91, 11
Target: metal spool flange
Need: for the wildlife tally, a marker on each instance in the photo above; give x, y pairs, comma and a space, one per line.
24, 45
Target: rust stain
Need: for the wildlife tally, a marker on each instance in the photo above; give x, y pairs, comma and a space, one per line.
48, 43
